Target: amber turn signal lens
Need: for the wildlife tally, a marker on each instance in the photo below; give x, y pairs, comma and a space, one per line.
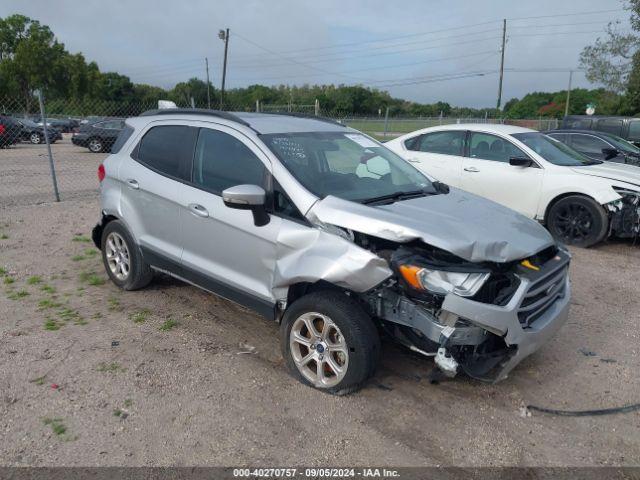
410, 274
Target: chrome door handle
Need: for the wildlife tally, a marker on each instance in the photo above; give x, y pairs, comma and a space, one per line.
133, 183
198, 210
471, 169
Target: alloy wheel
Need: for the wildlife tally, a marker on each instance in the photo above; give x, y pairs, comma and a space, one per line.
95, 146
574, 222
35, 138
118, 258
319, 349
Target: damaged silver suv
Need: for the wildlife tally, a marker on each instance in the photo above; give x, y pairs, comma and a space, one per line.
319, 227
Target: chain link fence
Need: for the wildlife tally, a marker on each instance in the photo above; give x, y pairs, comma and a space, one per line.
51, 151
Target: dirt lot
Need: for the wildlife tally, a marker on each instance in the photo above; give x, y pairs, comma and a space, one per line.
25, 175
90, 375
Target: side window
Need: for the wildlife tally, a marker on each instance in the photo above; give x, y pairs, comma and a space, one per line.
561, 137
222, 161
634, 130
490, 147
446, 143
588, 144
610, 125
168, 149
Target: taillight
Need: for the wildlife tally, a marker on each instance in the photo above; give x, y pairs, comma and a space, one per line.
2, 129
101, 173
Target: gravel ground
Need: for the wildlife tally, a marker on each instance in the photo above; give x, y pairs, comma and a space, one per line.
94, 376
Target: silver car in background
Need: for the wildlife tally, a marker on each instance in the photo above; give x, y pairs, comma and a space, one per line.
319, 227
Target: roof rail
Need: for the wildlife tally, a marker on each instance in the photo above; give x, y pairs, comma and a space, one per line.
197, 111
310, 117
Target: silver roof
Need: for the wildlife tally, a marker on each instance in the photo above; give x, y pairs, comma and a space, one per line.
277, 123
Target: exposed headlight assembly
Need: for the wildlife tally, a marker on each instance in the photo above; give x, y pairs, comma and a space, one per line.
442, 282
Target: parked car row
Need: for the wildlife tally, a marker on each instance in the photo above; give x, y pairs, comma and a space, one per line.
99, 136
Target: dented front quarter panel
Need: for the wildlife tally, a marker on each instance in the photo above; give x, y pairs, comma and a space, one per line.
307, 254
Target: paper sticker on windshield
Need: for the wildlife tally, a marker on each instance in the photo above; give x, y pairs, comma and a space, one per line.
361, 140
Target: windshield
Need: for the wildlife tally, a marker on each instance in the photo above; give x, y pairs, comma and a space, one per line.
347, 165
621, 144
553, 151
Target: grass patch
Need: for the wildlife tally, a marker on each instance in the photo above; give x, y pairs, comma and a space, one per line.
92, 278
59, 428
71, 315
117, 412
4, 236
39, 380
18, 295
52, 324
112, 367
48, 303
2, 271
90, 252
9, 280
96, 315
48, 289
128, 402
77, 258
114, 304
168, 325
34, 280
81, 239
140, 316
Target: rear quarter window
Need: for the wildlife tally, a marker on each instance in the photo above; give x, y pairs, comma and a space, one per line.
123, 136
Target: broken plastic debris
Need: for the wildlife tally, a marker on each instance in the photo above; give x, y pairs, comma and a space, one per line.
55, 386
245, 348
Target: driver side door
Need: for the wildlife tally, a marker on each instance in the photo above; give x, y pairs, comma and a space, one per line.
438, 154
486, 172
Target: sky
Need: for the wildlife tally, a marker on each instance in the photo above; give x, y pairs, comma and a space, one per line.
419, 50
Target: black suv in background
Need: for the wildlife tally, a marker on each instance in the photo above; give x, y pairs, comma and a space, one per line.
99, 136
599, 145
625, 127
34, 133
10, 131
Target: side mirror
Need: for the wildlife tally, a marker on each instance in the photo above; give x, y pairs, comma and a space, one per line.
248, 197
610, 153
520, 162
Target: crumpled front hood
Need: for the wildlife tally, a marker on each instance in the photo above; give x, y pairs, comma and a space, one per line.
471, 227
612, 171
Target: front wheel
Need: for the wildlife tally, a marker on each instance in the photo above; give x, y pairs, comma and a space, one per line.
35, 138
578, 220
329, 342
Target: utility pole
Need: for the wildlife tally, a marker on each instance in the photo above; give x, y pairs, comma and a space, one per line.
566, 107
206, 62
504, 40
224, 35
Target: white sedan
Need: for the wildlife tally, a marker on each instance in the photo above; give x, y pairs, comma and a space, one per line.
580, 200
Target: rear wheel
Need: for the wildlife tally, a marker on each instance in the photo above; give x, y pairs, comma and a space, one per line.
35, 138
95, 145
329, 342
578, 220
122, 258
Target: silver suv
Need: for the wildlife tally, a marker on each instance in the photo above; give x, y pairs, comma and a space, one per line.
323, 229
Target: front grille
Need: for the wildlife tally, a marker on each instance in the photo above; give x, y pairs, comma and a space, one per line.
543, 293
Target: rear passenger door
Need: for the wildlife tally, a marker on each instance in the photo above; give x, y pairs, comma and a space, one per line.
223, 250
438, 154
150, 180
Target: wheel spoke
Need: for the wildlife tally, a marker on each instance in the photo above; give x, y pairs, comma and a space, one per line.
297, 337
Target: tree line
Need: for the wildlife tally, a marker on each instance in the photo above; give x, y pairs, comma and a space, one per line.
32, 58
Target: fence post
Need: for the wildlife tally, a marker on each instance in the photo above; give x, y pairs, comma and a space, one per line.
46, 139
257, 106
386, 121
316, 108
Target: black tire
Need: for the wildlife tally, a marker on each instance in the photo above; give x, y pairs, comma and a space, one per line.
578, 220
357, 328
95, 145
140, 273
